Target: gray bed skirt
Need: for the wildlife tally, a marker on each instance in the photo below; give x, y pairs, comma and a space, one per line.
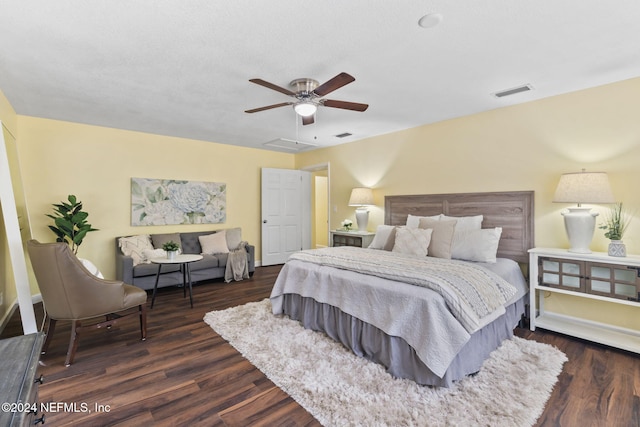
394, 353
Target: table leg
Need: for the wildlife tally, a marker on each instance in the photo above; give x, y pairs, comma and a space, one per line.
155, 287
184, 279
190, 287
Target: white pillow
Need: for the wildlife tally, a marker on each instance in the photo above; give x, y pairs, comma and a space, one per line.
153, 253
234, 237
383, 232
91, 267
412, 241
477, 245
414, 221
441, 236
134, 245
466, 222
215, 243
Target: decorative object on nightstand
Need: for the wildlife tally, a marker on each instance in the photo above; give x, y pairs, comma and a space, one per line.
347, 224
580, 222
616, 223
361, 197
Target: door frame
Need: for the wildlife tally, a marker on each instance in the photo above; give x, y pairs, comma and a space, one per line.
318, 167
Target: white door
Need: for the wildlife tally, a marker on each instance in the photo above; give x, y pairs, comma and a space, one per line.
286, 213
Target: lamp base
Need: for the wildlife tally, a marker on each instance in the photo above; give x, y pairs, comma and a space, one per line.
580, 224
362, 218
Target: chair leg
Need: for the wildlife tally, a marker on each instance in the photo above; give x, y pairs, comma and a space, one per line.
143, 321
51, 327
73, 342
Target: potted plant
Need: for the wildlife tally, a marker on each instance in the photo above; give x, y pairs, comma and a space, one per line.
347, 224
71, 224
171, 248
616, 223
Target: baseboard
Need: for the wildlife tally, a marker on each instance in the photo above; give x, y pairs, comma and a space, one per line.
12, 309
7, 315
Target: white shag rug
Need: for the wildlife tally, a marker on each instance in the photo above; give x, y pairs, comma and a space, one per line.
341, 389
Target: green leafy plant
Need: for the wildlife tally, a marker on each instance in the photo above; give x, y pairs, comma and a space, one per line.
70, 221
616, 222
170, 246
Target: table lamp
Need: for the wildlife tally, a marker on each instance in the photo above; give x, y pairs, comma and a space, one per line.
361, 197
579, 221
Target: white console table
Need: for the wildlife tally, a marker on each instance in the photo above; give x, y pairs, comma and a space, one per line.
595, 276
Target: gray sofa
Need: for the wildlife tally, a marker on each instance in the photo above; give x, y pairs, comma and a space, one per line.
143, 274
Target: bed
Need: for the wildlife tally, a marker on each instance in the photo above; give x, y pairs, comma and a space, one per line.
399, 310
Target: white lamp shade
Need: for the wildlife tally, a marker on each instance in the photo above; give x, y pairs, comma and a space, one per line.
584, 187
305, 109
361, 196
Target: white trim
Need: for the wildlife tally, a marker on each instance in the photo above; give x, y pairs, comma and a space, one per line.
14, 241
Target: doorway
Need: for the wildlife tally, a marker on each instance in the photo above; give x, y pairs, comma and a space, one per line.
320, 211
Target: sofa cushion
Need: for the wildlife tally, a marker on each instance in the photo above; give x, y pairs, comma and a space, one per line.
207, 261
141, 270
190, 243
160, 239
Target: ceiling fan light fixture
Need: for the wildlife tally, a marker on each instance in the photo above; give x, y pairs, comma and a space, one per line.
305, 109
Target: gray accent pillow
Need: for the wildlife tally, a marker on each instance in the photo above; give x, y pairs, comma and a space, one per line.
441, 237
160, 239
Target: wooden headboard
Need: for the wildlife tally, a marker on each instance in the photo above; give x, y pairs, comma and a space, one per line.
513, 211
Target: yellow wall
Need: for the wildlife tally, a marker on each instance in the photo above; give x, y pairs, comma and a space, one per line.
523, 147
96, 164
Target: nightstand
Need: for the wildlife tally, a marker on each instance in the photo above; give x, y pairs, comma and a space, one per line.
361, 239
595, 276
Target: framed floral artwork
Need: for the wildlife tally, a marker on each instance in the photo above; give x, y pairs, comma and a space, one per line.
170, 201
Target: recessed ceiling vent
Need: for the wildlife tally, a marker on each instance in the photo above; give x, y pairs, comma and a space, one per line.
343, 135
288, 145
508, 92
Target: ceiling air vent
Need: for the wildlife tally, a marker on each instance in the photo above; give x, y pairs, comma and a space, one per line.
289, 145
343, 135
508, 92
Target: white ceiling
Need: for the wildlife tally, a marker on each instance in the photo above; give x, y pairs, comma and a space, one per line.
181, 68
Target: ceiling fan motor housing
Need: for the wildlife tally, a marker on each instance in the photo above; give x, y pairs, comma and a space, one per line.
303, 87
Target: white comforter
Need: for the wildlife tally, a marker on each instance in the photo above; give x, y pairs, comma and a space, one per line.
419, 315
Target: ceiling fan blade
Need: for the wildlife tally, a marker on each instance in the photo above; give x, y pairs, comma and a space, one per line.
354, 106
268, 107
308, 120
335, 83
272, 86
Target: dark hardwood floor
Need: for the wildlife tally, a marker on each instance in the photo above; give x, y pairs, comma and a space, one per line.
185, 374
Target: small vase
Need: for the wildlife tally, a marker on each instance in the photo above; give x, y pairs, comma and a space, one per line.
617, 248
171, 254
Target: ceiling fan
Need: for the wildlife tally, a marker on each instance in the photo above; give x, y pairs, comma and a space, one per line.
308, 96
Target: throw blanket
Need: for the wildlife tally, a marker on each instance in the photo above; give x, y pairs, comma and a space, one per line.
237, 266
471, 292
